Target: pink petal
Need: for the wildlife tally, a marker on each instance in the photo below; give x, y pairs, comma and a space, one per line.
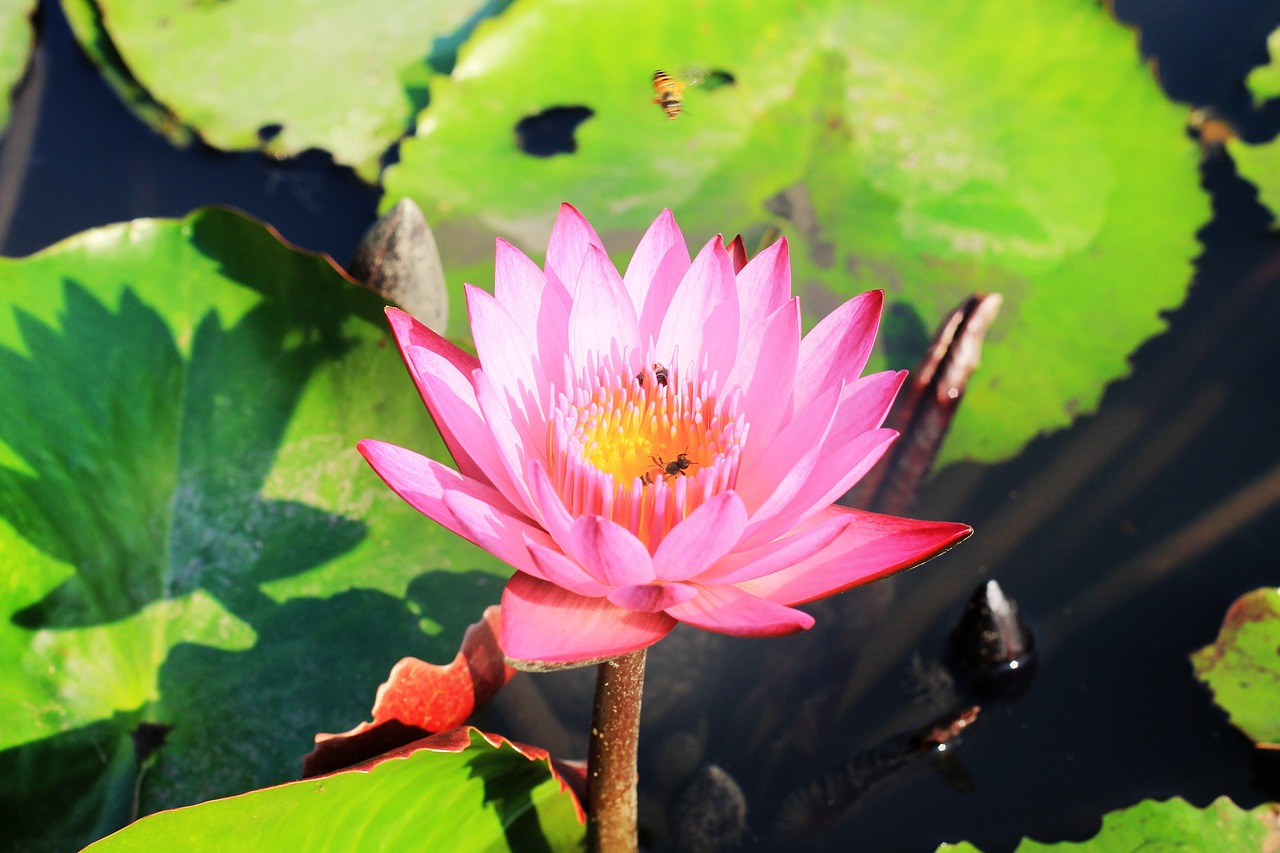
470, 509
652, 597
610, 552
554, 567
764, 286
455, 407
570, 237
738, 251
838, 347
411, 335
512, 437
540, 307
848, 451
864, 404
766, 369
544, 625
705, 535
551, 511
702, 320
770, 478
729, 610
840, 468
808, 539
506, 355
602, 319
657, 266
871, 547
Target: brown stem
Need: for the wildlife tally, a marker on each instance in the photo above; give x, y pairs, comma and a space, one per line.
611, 758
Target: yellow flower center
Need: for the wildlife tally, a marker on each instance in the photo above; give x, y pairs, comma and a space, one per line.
643, 447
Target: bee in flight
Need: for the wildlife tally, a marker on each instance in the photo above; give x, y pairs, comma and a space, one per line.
667, 93
668, 89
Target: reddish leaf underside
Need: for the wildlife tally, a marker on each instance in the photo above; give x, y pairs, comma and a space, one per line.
420, 699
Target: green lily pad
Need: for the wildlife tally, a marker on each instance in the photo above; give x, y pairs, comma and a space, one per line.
929, 148
1172, 824
1242, 667
1263, 82
16, 39
197, 569
482, 794
85, 20
283, 76
1260, 166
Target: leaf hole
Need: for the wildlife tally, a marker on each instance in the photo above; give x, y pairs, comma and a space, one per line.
718, 77
550, 132
268, 132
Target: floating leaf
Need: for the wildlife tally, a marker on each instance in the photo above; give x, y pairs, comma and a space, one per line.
461, 790
934, 149
16, 39
1263, 82
1242, 667
1260, 165
1172, 824
188, 537
283, 76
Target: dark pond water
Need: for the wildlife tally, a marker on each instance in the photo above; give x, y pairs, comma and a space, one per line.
1124, 539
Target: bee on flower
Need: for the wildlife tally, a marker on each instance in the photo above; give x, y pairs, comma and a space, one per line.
654, 447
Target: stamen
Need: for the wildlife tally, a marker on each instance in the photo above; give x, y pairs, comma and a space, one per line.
638, 450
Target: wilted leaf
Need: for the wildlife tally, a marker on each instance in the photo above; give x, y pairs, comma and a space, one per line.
934, 149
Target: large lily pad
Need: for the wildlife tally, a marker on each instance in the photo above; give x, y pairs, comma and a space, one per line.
929, 148
197, 569
283, 76
16, 38
1172, 824
1242, 667
461, 791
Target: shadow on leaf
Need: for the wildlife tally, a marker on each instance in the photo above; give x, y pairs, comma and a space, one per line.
149, 466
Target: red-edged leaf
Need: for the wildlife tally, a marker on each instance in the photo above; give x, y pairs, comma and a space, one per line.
570, 774
419, 699
462, 789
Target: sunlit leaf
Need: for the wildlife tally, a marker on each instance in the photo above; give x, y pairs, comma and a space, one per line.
1263, 82
1172, 824
188, 537
461, 791
928, 148
1260, 165
1242, 667
282, 76
16, 38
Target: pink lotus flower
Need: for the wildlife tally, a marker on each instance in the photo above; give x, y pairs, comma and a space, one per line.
654, 448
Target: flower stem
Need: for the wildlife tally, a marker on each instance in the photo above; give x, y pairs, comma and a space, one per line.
611, 758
